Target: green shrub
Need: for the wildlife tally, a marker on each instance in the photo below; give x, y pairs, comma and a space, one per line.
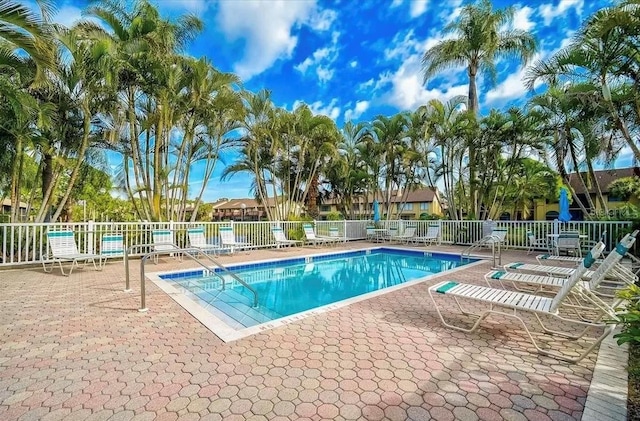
629, 315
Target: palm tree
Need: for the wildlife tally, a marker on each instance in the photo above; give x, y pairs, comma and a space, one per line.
23, 29
480, 40
445, 129
603, 56
140, 60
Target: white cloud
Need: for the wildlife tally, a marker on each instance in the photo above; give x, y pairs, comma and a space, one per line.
317, 56
331, 110
322, 60
549, 12
510, 88
521, 19
322, 21
266, 28
513, 86
366, 85
353, 63
418, 7
361, 107
407, 92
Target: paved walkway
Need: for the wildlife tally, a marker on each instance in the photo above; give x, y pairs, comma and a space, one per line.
77, 348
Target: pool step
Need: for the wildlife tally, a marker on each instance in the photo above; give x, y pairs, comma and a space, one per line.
229, 305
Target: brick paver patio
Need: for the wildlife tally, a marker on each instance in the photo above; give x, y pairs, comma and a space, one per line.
77, 348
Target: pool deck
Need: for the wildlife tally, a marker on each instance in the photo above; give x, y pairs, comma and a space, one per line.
77, 348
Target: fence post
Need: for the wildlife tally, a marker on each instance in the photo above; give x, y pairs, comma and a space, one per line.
90, 228
344, 233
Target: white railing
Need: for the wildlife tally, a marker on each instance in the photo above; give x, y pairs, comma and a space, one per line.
26, 243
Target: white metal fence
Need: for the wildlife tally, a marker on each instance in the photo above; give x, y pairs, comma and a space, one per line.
26, 243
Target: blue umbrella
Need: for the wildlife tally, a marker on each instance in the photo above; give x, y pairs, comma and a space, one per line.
376, 211
564, 215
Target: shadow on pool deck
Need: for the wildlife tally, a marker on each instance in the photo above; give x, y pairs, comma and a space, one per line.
76, 347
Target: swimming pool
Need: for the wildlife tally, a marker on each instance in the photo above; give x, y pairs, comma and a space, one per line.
293, 287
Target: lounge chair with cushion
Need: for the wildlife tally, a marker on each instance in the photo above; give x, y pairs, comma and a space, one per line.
281, 238
64, 249
431, 236
228, 240
512, 303
198, 241
547, 283
311, 236
408, 235
163, 242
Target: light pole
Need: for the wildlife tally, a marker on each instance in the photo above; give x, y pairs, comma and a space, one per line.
244, 209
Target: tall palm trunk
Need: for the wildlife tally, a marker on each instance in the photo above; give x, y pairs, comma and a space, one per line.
79, 160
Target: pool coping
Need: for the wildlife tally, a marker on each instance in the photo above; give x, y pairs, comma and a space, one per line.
228, 334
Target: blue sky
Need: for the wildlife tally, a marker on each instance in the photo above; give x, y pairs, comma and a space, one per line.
354, 59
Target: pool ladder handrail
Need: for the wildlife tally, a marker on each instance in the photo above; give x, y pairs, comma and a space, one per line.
482, 242
187, 252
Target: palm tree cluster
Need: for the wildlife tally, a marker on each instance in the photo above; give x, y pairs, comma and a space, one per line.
126, 85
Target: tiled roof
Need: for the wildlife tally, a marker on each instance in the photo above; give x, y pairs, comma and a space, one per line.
415, 196
604, 177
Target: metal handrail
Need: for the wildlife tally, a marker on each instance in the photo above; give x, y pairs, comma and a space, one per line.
186, 252
481, 242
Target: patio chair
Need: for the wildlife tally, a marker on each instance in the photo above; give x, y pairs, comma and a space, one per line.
371, 232
536, 243
198, 241
228, 240
569, 242
311, 236
408, 235
281, 238
497, 236
112, 245
514, 302
431, 236
163, 242
64, 249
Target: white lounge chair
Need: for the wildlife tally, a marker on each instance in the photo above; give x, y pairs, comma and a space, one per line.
408, 235
605, 267
552, 258
163, 242
112, 245
228, 240
513, 302
64, 249
431, 236
281, 238
311, 236
198, 241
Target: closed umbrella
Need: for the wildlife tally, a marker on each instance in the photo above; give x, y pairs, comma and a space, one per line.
376, 211
565, 215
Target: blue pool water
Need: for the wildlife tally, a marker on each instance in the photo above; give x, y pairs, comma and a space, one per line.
295, 285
